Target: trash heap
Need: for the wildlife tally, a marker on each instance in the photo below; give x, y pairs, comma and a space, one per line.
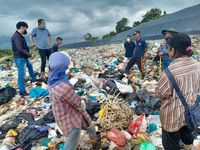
123, 106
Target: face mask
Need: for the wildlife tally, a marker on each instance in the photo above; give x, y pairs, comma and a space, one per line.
44, 26
25, 32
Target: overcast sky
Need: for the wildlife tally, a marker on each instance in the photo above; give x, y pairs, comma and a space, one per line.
71, 19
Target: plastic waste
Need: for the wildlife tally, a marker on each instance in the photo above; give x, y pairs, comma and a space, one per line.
152, 127
139, 125
147, 146
117, 137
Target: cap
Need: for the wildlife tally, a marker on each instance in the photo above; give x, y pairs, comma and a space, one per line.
135, 32
181, 43
164, 32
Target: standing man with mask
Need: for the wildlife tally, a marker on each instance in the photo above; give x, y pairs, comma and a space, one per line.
129, 46
138, 55
21, 55
164, 49
41, 39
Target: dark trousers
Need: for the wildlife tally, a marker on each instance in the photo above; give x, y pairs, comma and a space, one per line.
133, 61
44, 54
171, 140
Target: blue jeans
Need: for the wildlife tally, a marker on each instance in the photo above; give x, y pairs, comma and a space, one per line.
21, 65
165, 61
73, 138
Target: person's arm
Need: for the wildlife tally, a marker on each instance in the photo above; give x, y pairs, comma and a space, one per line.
18, 44
145, 47
164, 88
33, 34
49, 37
32, 41
72, 98
125, 46
134, 46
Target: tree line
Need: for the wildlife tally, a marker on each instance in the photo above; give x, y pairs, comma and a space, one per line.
122, 25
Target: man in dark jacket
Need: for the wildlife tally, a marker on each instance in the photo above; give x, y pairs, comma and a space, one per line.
21, 55
59, 41
129, 45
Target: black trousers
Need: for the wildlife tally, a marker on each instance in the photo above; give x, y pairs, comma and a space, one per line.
138, 61
171, 140
44, 54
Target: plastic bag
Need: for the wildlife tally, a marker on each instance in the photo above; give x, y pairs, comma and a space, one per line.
138, 126
117, 137
147, 146
6, 94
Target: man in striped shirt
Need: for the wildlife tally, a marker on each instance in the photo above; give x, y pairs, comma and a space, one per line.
186, 72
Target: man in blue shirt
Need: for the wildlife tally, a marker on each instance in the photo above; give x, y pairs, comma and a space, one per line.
138, 55
41, 39
21, 55
164, 49
129, 45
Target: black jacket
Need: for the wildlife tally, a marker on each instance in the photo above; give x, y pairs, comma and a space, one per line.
19, 46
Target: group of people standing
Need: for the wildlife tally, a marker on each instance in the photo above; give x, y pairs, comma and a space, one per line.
40, 39
69, 108
175, 53
135, 51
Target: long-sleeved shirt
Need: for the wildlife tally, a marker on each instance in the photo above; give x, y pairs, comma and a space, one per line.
130, 47
186, 72
65, 104
19, 46
164, 48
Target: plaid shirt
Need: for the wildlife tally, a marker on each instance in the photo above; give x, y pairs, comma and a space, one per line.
64, 103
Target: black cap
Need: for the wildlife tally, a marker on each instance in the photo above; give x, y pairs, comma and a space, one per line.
164, 32
135, 32
181, 43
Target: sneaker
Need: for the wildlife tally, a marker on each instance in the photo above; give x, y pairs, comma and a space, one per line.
24, 94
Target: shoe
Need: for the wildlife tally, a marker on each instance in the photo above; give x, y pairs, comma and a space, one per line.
24, 94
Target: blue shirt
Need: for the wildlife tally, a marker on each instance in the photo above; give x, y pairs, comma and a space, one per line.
130, 47
164, 48
140, 47
41, 38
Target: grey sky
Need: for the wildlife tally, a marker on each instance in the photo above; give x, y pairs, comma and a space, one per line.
72, 19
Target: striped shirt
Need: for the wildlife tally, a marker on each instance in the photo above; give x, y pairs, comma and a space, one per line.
186, 72
64, 101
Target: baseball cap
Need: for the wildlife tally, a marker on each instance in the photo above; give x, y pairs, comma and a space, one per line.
135, 32
164, 32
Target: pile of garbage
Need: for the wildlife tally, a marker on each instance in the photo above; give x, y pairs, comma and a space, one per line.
123, 107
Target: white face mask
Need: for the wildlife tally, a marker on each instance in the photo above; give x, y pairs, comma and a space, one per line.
128, 40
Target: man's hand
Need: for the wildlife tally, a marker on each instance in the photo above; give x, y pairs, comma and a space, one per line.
82, 107
34, 47
160, 53
32, 57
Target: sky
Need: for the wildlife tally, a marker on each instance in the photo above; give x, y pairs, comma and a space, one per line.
71, 19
